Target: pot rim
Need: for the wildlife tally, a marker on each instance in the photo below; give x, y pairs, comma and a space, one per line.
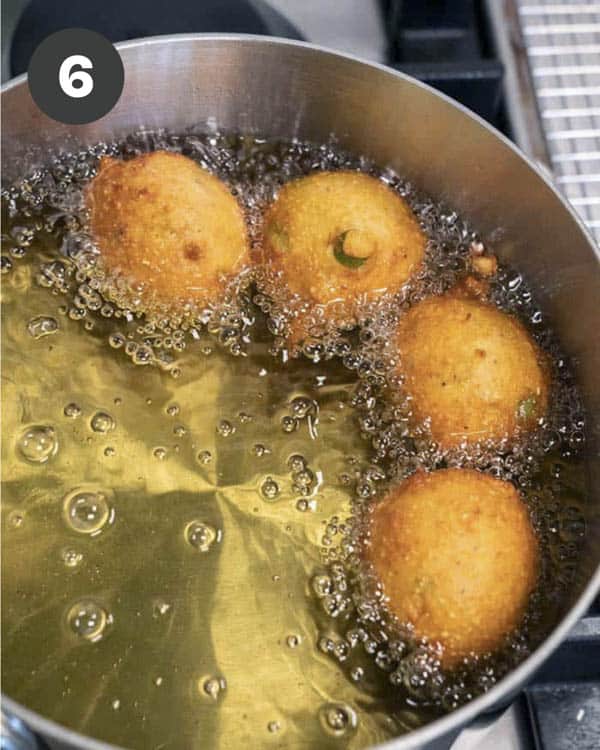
517, 677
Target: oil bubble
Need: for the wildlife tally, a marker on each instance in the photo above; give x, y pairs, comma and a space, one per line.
143, 355
204, 457
16, 519
274, 726
293, 641
173, 410
160, 453
201, 536
71, 557
5, 264
225, 428
341, 651
384, 660
301, 407
89, 620
77, 313
303, 481
116, 704
322, 585
116, 340
260, 450
38, 444
109, 451
102, 422
87, 511
22, 236
269, 489
365, 490
325, 645
160, 608
296, 462
289, 424
337, 719
213, 687
42, 325
72, 410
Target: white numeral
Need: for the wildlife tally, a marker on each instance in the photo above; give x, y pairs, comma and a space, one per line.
66, 78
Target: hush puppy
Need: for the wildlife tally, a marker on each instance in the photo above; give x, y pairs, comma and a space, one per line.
167, 226
341, 236
457, 557
470, 368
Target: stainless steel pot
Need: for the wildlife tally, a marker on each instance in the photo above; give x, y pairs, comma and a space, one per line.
281, 88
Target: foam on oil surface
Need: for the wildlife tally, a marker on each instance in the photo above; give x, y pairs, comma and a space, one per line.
254, 170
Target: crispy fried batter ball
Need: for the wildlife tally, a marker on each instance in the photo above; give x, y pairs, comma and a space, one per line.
165, 223
338, 235
473, 370
457, 557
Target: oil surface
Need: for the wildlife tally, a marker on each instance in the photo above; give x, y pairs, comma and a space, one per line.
180, 562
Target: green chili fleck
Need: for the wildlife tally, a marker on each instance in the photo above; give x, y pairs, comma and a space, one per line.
350, 261
279, 238
527, 408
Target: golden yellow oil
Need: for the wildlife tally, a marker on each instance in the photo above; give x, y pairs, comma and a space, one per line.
239, 612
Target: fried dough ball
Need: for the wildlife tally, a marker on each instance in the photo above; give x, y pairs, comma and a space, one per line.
340, 235
470, 368
457, 557
164, 223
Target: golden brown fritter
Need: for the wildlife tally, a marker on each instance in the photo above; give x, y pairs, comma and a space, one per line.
341, 236
470, 368
457, 557
163, 222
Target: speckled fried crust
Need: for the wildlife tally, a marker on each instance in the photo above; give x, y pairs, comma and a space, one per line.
164, 223
472, 369
457, 557
341, 236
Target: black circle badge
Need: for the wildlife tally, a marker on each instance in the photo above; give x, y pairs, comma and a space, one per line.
75, 76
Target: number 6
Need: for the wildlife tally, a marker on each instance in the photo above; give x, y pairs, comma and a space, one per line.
66, 77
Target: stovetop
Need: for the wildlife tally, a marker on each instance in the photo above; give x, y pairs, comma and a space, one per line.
532, 69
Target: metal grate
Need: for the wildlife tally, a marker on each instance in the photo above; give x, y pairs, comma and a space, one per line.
562, 42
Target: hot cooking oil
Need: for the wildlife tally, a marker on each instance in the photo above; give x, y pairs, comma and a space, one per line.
182, 499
